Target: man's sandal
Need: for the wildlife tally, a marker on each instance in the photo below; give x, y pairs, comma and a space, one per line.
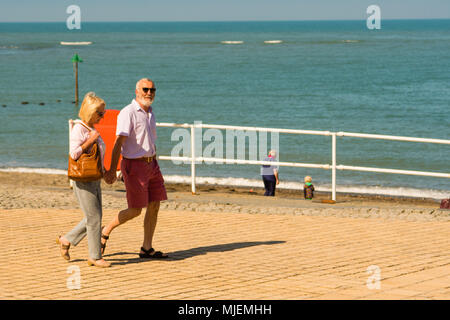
103, 245
64, 249
152, 254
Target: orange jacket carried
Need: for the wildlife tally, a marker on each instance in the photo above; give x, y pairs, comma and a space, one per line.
107, 129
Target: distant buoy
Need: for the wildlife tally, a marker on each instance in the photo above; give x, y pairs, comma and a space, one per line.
41, 103
24, 102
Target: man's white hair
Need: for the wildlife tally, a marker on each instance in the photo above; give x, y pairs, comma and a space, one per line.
146, 79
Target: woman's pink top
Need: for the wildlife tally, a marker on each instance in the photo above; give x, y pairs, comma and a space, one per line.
78, 136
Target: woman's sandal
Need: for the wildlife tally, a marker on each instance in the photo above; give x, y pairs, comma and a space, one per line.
64, 249
99, 263
152, 254
103, 245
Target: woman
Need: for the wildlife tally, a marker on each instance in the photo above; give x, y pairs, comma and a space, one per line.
89, 195
270, 175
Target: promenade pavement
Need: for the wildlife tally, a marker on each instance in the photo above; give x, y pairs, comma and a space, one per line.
229, 255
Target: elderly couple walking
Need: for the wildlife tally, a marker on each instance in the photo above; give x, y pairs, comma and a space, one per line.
135, 140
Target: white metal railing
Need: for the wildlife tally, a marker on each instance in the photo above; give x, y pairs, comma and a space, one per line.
333, 166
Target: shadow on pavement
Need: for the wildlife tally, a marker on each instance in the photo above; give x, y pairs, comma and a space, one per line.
189, 253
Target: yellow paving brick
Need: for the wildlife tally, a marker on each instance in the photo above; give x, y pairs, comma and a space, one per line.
229, 256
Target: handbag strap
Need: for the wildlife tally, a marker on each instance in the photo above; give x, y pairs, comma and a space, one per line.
84, 124
87, 127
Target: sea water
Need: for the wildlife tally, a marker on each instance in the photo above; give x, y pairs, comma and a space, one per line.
316, 75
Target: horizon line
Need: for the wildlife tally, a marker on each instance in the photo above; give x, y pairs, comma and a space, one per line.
209, 21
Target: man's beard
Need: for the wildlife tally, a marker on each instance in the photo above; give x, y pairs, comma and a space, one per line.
145, 102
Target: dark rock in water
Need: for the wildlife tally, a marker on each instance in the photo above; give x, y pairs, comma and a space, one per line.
58, 100
41, 104
4, 105
24, 102
73, 102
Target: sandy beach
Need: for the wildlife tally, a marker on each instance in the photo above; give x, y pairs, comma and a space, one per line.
37, 191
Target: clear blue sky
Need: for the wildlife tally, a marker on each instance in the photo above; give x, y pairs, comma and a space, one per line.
223, 10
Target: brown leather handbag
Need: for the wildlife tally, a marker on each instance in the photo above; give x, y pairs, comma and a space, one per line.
88, 167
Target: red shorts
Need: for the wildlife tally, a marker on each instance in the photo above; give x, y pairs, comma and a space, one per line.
143, 181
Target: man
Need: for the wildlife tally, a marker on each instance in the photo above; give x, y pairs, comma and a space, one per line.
135, 140
270, 175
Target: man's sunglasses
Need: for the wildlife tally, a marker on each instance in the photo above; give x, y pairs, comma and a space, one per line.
152, 90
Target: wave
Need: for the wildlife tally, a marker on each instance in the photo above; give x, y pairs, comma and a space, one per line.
28, 46
232, 42
34, 170
324, 42
354, 189
9, 47
273, 41
80, 43
292, 185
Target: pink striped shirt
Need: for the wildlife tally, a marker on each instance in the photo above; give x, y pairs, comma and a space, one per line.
140, 128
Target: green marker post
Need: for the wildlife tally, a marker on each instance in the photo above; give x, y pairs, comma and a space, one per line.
75, 59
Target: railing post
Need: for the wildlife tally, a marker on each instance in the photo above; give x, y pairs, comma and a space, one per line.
70, 131
333, 166
192, 159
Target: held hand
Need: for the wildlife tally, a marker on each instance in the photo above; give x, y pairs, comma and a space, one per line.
109, 176
113, 176
106, 177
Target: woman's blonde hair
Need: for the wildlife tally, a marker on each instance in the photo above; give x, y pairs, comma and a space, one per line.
91, 104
